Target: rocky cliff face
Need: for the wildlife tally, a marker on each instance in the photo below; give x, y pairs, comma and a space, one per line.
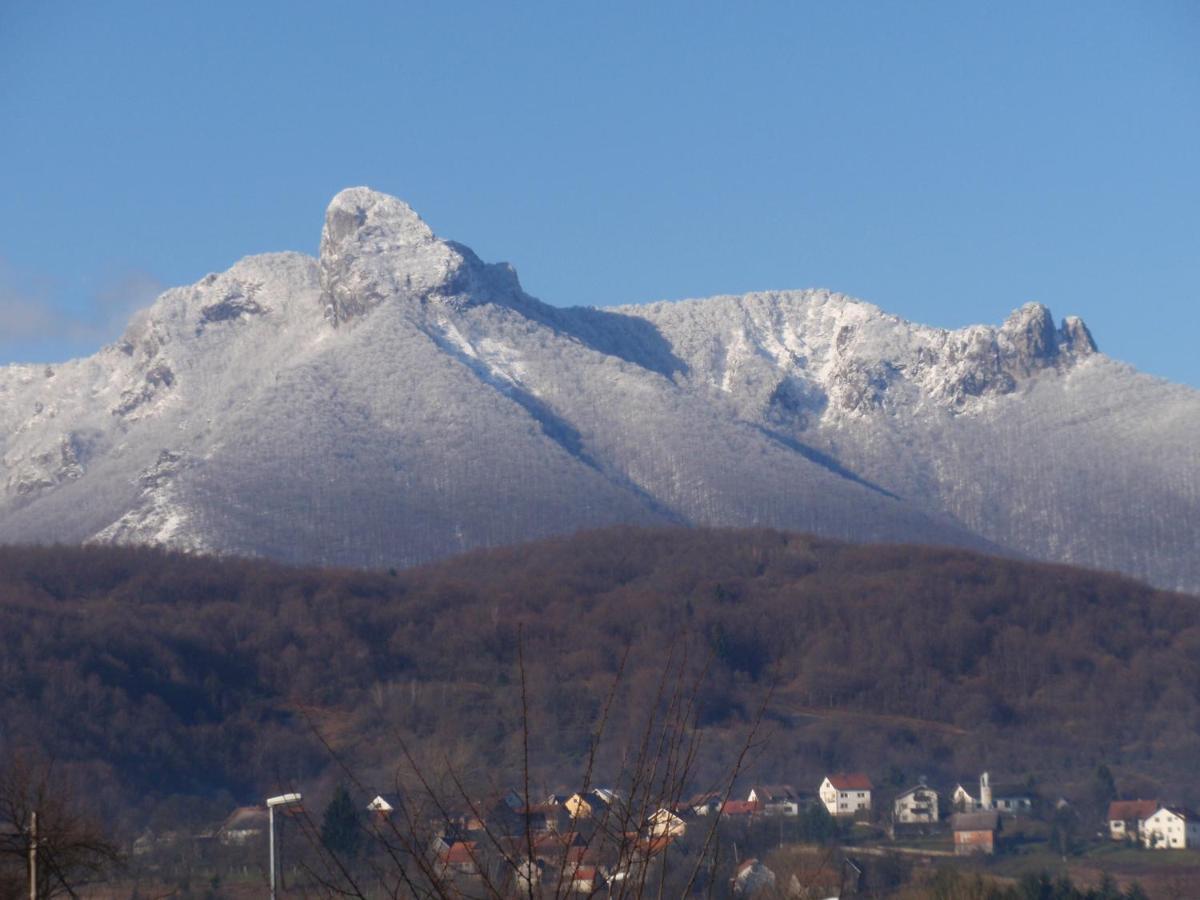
398, 399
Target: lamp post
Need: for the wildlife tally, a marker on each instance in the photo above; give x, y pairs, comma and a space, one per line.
272, 802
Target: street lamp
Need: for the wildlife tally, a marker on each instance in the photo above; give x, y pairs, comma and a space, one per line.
272, 802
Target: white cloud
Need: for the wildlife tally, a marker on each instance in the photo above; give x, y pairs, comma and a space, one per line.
35, 326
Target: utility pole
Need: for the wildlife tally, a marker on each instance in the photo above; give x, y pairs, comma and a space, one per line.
33, 841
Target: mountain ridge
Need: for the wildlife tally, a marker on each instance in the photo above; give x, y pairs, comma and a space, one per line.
397, 399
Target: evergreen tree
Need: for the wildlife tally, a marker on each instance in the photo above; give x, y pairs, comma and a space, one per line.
1104, 789
340, 830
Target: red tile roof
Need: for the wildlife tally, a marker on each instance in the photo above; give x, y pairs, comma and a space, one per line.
851, 781
1131, 810
740, 807
460, 852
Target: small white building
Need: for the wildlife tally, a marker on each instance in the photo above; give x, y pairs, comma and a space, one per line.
1009, 799
776, 799
846, 794
665, 823
384, 804
1171, 828
916, 806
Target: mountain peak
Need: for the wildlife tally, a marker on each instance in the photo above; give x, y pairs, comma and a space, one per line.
374, 248
1036, 342
361, 215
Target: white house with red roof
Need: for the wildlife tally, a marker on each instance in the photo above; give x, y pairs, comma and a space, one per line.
846, 794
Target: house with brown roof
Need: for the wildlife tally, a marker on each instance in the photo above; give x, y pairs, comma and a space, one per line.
739, 808
975, 832
846, 794
461, 857
1125, 818
584, 879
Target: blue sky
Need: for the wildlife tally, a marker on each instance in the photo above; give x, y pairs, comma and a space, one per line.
946, 161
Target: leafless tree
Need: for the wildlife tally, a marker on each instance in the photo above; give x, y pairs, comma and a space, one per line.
40, 824
445, 843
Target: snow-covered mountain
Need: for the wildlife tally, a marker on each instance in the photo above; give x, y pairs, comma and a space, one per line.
398, 399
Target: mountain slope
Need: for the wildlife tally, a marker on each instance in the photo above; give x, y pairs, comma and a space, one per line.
398, 399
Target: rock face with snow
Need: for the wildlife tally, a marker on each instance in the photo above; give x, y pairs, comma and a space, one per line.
398, 399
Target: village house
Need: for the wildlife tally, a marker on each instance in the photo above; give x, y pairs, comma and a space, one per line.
559, 846
461, 857
703, 804
527, 876
776, 799
383, 806
1125, 818
1171, 828
751, 876
242, 824
975, 832
585, 806
665, 823
846, 794
916, 806
739, 808
585, 879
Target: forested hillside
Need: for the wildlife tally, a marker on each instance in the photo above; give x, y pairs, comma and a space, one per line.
162, 674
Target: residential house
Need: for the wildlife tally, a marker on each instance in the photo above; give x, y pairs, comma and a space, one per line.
776, 799
242, 824
584, 879
703, 804
739, 808
1125, 818
916, 806
1171, 828
846, 794
962, 801
556, 847
384, 805
461, 857
586, 806
527, 877
750, 878
665, 823
975, 832
608, 795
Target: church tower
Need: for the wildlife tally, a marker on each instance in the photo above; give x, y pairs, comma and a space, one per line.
985, 792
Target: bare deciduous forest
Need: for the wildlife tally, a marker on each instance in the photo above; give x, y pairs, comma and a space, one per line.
179, 685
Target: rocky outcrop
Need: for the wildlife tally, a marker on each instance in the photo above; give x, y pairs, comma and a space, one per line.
375, 248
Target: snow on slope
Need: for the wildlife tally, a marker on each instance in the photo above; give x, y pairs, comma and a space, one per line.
398, 399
